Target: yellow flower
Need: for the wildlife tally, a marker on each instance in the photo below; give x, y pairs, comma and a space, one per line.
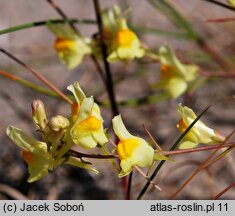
125, 44
53, 151
110, 17
34, 153
175, 76
87, 130
132, 150
70, 47
199, 133
231, 3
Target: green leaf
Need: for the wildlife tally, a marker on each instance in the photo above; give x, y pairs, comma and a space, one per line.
175, 17
43, 23
155, 31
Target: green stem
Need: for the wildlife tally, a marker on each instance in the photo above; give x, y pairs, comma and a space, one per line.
32, 86
46, 22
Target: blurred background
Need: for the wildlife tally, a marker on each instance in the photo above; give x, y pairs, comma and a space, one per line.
133, 80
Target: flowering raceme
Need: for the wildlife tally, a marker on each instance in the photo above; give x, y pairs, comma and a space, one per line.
199, 133
87, 130
123, 44
70, 47
53, 151
132, 150
175, 76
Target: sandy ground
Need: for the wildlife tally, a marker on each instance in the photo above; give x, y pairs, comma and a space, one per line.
34, 46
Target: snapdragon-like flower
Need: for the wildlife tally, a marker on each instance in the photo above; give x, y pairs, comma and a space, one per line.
53, 151
70, 47
132, 150
175, 76
123, 44
199, 133
87, 130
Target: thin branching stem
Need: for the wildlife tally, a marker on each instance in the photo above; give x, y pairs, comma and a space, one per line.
221, 20
153, 140
62, 14
229, 74
37, 75
31, 85
221, 4
192, 150
44, 23
97, 156
203, 165
109, 78
12, 192
224, 191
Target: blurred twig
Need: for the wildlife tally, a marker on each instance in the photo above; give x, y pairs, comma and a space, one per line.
12, 192
203, 165
221, 20
104, 56
221, 4
180, 21
37, 75
224, 191
31, 85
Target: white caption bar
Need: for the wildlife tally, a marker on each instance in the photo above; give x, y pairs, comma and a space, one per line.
117, 207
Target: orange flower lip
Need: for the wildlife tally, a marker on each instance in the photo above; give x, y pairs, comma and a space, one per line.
125, 37
63, 43
166, 71
90, 124
182, 125
28, 157
126, 148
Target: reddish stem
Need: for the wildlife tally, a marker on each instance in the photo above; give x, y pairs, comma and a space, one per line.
224, 191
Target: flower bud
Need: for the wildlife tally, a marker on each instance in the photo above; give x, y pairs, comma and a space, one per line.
55, 131
39, 114
58, 123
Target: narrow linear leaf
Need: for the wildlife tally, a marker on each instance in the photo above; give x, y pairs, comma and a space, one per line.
155, 31
43, 23
175, 17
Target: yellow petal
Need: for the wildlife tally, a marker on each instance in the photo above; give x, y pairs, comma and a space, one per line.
199, 133
231, 3
77, 92
127, 147
120, 129
175, 87
188, 145
26, 142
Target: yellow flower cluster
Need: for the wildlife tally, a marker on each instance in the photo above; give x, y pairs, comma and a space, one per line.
199, 133
59, 134
85, 129
175, 76
122, 43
